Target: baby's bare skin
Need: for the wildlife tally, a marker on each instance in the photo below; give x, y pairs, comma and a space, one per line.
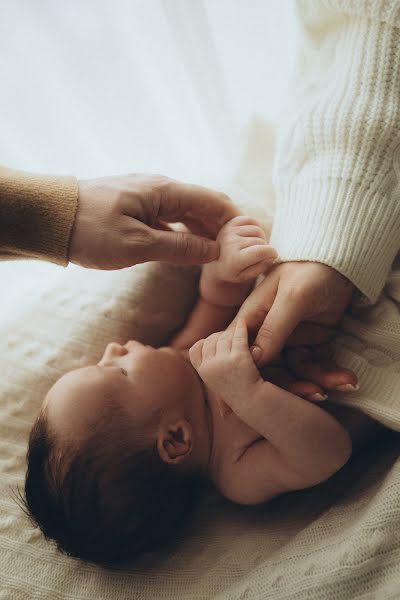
361, 428
292, 443
249, 457
234, 436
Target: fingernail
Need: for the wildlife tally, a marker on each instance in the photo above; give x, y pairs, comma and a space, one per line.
317, 397
256, 353
348, 387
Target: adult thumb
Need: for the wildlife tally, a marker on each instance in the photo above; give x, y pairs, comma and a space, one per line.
281, 320
183, 248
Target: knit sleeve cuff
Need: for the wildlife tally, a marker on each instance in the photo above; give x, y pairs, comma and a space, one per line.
338, 223
37, 213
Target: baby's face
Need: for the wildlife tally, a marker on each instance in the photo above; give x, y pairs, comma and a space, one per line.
153, 384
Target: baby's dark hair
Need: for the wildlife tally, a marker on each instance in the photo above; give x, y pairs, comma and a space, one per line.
103, 502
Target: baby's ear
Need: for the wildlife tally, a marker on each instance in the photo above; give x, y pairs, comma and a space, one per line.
175, 442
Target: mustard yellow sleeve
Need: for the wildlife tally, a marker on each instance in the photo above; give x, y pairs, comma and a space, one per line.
37, 213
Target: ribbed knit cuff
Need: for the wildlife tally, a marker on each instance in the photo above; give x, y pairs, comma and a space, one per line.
37, 213
333, 222
378, 396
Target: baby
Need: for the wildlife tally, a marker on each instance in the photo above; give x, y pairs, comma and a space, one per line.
121, 449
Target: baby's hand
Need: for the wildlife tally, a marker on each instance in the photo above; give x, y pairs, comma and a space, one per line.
224, 363
244, 251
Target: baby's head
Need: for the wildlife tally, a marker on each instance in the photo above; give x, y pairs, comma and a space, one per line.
119, 454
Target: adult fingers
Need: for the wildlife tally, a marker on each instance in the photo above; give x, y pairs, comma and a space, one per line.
282, 377
311, 334
325, 372
281, 320
322, 351
240, 336
203, 210
256, 306
307, 390
181, 248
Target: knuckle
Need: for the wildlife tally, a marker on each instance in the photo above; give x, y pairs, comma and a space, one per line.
235, 355
161, 181
296, 292
245, 220
224, 198
182, 245
238, 221
164, 187
265, 334
186, 245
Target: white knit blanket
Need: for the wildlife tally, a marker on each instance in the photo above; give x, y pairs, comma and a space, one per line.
340, 539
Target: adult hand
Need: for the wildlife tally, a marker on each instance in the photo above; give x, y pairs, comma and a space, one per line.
300, 304
122, 221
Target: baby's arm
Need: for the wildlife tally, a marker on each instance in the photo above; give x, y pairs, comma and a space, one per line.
226, 282
300, 444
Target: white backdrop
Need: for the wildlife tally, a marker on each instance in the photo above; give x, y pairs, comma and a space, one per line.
93, 87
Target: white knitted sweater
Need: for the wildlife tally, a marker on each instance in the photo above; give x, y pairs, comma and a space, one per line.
336, 176
336, 172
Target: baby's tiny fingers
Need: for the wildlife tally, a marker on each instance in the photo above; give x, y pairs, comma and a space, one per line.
251, 231
242, 220
254, 260
224, 343
240, 339
255, 253
255, 270
210, 345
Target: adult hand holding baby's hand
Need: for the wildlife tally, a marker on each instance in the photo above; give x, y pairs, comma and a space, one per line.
224, 363
299, 304
245, 253
123, 221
